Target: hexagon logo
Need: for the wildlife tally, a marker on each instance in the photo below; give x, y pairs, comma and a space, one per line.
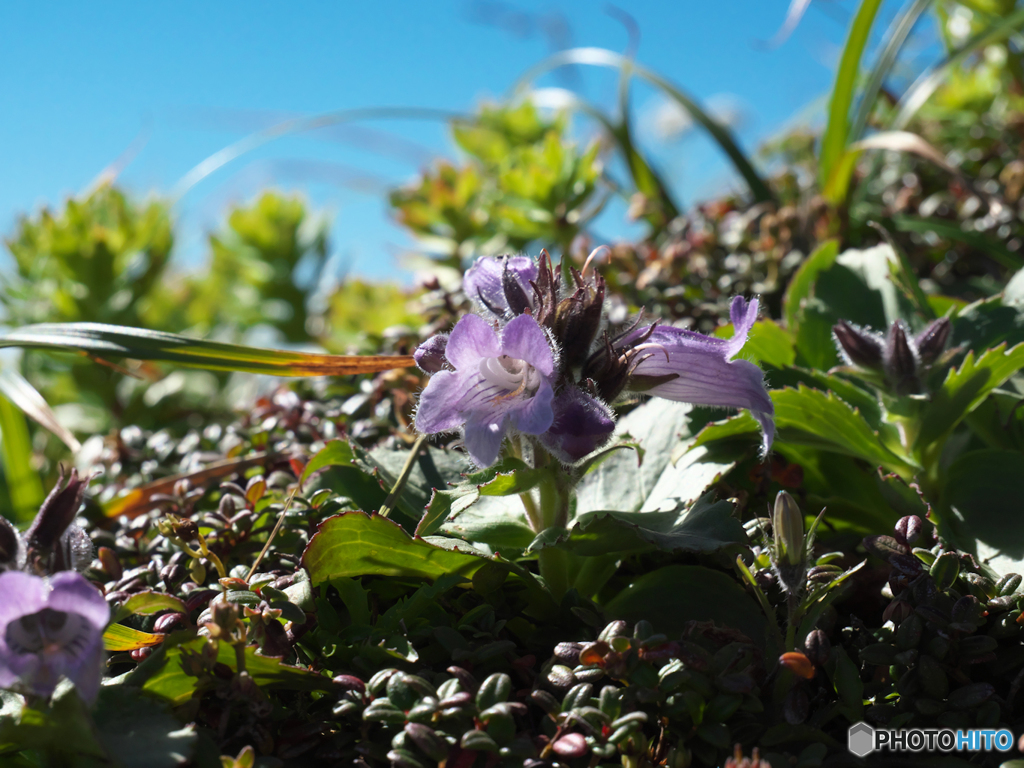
860, 739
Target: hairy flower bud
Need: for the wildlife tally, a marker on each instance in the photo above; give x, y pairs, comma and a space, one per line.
901, 361
859, 346
429, 355
578, 319
52, 542
931, 342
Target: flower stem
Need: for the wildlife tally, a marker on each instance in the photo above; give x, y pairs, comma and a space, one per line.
555, 495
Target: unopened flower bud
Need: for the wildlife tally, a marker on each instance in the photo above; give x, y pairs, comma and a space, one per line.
931, 342
788, 526
901, 361
817, 647
429, 355
859, 346
515, 296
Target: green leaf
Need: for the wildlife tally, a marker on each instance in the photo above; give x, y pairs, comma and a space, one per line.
801, 285
23, 483
706, 526
626, 481
822, 420
509, 477
334, 453
836, 136
987, 323
99, 340
140, 732
118, 637
671, 596
65, 726
356, 544
965, 388
768, 343
167, 679
433, 468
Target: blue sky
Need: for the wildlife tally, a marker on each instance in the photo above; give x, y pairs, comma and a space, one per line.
79, 82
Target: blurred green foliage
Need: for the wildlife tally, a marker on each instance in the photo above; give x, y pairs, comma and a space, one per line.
524, 182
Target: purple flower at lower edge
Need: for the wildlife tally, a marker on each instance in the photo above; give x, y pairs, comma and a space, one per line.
51, 628
497, 382
693, 368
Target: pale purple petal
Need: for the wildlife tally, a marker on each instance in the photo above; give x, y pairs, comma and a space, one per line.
484, 433
472, 339
691, 371
438, 410
20, 595
534, 415
581, 425
743, 316
72, 593
524, 339
482, 282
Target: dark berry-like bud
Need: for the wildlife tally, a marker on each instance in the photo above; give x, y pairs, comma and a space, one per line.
908, 529
817, 647
859, 346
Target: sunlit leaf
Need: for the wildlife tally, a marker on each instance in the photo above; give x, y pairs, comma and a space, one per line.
357, 544
118, 637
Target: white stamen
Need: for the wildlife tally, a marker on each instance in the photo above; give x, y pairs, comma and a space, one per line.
505, 372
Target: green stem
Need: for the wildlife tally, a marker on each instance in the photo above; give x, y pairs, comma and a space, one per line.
554, 513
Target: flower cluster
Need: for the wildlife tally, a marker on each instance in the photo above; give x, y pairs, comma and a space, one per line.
538, 359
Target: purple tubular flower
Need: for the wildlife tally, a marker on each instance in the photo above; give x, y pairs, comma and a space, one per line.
483, 282
581, 425
690, 367
497, 381
51, 628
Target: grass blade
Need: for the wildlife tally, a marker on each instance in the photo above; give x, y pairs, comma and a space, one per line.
895, 38
16, 388
601, 57
837, 131
927, 83
23, 483
99, 340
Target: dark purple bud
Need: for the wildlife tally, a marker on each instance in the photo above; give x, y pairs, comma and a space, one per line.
581, 425
578, 319
908, 529
516, 298
43, 538
901, 360
429, 355
859, 346
931, 342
